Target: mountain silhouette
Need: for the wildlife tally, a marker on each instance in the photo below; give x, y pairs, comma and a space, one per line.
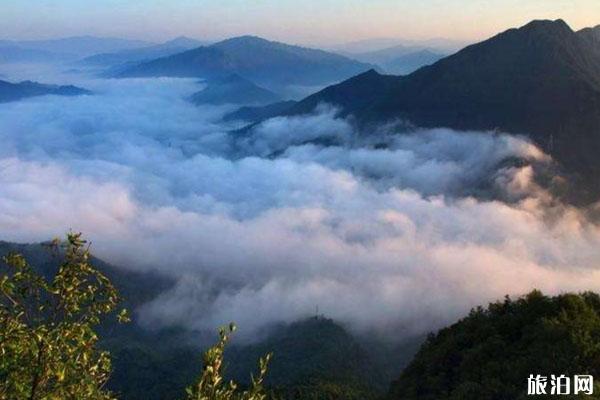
234, 89
17, 91
541, 80
77, 46
168, 48
257, 59
407, 63
592, 34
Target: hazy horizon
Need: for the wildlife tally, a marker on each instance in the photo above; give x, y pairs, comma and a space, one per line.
158, 20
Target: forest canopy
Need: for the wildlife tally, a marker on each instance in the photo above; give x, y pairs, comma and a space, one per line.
491, 353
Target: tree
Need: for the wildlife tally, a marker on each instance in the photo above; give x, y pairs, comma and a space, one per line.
491, 353
212, 385
48, 343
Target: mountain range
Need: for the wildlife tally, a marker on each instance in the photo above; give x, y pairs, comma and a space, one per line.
540, 80
174, 46
11, 53
401, 59
264, 62
17, 91
372, 46
64, 49
410, 62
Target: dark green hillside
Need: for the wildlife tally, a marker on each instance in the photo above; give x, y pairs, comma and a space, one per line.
136, 288
490, 354
312, 359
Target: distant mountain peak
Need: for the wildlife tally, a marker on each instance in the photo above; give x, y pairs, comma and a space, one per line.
371, 72
246, 39
250, 37
233, 89
545, 24
268, 63
184, 42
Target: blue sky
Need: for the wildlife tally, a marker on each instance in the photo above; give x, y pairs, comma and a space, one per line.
305, 21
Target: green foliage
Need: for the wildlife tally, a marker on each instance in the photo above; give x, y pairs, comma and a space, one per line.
212, 385
48, 343
490, 354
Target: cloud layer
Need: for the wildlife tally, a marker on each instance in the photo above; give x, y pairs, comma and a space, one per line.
381, 231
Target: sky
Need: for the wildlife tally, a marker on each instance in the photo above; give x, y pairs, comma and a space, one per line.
318, 22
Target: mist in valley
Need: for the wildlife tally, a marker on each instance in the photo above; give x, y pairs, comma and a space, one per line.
396, 231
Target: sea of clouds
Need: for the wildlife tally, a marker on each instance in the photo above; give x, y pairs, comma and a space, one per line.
385, 232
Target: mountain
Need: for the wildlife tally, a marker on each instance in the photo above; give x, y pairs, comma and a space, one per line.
17, 91
233, 89
79, 46
366, 45
10, 53
184, 42
374, 45
253, 114
491, 353
171, 47
262, 61
408, 63
136, 288
370, 50
401, 59
592, 35
313, 358
542, 80
385, 55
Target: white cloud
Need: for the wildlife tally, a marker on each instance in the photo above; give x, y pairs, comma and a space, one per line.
377, 238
